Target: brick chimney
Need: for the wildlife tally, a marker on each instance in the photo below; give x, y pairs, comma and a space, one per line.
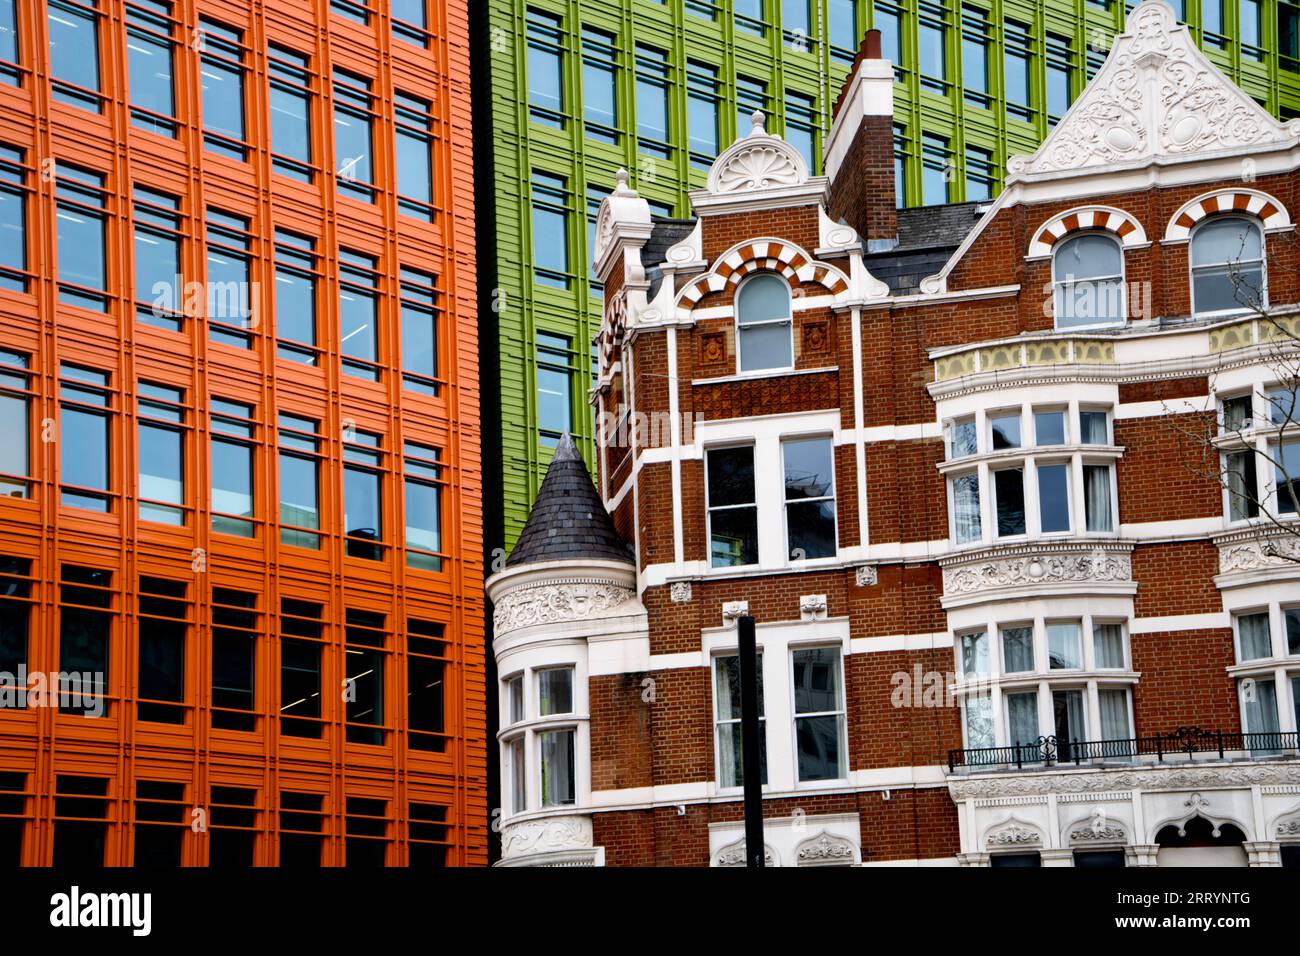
859, 152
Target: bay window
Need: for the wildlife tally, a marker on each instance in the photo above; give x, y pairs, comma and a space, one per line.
1062, 482
1268, 676
542, 715
1065, 681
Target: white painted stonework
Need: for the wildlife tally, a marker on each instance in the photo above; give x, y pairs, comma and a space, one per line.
832, 839
1064, 809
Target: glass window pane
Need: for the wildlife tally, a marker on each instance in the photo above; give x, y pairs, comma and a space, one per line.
974, 654
1254, 636
1063, 645
765, 347
1049, 428
1053, 498
558, 777
1022, 718
1005, 430
1017, 649
1097, 503
817, 690
966, 508
555, 691
1009, 494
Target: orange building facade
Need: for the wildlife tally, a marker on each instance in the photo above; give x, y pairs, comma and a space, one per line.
241, 612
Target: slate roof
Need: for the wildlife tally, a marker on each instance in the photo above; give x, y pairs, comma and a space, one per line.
927, 238
568, 521
666, 234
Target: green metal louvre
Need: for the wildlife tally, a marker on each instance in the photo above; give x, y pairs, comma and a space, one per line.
976, 82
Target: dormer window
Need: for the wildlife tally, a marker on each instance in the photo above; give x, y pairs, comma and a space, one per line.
1088, 281
764, 329
1227, 265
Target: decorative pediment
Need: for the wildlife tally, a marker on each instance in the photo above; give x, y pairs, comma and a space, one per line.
1156, 97
758, 161
826, 849
1098, 828
733, 854
1013, 833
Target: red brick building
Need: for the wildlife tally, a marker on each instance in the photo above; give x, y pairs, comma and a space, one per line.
1008, 489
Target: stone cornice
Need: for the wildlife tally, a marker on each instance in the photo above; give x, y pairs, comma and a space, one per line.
1186, 777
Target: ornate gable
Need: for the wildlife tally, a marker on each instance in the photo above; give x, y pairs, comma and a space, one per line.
1157, 97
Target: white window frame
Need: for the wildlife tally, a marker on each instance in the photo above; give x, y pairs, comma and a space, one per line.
1028, 458
719, 722
841, 713
788, 322
1263, 261
1058, 284
709, 507
833, 497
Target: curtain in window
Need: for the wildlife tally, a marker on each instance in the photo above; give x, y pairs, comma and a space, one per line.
966, 508
1114, 721
1096, 483
1259, 700
1254, 634
1017, 650
1022, 719
1108, 645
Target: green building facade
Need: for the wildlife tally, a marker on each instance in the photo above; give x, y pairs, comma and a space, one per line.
575, 89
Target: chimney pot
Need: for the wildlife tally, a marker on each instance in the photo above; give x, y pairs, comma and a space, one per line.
872, 45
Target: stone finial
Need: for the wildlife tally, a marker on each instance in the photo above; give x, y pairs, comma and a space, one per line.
757, 119
620, 181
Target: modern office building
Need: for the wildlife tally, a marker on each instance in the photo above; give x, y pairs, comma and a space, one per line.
578, 90
1011, 490
240, 540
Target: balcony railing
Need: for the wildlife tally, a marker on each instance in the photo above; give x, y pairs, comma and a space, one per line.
1185, 741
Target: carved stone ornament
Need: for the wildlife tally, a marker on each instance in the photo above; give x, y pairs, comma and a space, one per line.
812, 607
1099, 829
1014, 833
539, 836
1288, 825
1021, 570
734, 609
553, 603
733, 854
681, 592
1102, 781
1156, 95
757, 161
1260, 554
865, 576
825, 849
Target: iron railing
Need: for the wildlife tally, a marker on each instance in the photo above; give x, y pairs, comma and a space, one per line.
1189, 741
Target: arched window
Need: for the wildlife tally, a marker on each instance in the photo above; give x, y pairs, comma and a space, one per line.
1088, 281
763, 325
1227, 265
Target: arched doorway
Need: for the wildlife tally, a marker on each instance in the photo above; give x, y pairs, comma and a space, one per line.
1198, 844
